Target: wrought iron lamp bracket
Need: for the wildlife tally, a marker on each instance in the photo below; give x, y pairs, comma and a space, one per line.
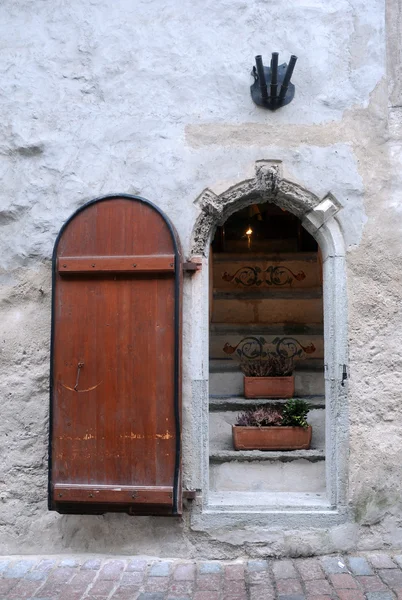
272, 88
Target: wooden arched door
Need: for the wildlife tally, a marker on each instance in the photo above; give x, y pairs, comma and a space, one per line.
115, 361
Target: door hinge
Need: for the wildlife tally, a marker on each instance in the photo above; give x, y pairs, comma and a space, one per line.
191, 267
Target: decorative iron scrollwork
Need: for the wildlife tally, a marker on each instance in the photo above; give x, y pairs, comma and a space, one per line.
251, 348
248, 276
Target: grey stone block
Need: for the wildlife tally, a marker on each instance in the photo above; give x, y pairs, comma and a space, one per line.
210, 567
160, 569
257, 565
333, 564
359, 566
379, 596
18, 569
151, 596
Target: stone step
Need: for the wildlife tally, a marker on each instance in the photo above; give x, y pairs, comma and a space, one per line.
238, 403
265, 501
274, 329
230, 383
263, 306
238, 342
252, 456
259, 271
216, 365
302, 473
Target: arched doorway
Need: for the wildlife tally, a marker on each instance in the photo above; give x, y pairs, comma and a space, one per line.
326, 489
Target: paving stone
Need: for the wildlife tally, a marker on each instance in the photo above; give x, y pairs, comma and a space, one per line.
371, 583
206, 596
170, 597
132, 578
51, 590
62, 574
288, 586
392, 577
23, 589
350, 595
284, 569
157, 584
209, 567
235, 571
309, 568
18, 569
292, 597
359, 566
259, 578
320, 597
234, 587
136, 564
381, 561
82, 578
151, 596
260, 592
123, 593
181, 587
160, 569
47, 564
6, 585
92, 563
379, 596
257, 565
35, 575
398, 559
102, 588
69, 594
343, 580
4, 564
184, 572
112, 570
211, 582
333, 564
317, 587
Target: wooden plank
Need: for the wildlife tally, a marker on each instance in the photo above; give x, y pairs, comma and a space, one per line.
113, 421
116, 264
125, 494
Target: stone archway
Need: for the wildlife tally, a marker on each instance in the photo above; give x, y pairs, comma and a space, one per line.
319, 217
268, 185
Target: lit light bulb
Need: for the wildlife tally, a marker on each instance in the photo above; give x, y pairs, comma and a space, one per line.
248, 234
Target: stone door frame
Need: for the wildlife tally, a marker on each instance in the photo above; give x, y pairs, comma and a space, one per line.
319, 217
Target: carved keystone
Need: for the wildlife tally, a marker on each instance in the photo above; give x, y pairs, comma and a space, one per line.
268, 176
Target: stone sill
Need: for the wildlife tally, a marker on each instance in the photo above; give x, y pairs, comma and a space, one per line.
222, 456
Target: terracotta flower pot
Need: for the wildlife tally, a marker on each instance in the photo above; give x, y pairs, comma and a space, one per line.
271, 438
269, 387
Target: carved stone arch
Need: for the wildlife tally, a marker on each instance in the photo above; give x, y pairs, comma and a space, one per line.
268, 185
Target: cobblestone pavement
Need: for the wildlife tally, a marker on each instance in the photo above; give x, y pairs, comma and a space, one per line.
365, 577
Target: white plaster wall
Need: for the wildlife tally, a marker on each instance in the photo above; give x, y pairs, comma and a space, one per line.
152, 98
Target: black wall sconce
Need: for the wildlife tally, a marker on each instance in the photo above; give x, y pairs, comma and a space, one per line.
273, 76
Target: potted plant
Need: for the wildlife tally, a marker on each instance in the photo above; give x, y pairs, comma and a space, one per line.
273, 427
268, 377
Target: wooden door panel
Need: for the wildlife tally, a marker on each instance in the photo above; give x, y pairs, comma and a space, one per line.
115, 366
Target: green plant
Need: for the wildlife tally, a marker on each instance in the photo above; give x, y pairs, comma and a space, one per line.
291, 414
295, 413
273, 365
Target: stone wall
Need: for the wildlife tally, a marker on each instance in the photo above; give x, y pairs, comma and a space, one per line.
152, 98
